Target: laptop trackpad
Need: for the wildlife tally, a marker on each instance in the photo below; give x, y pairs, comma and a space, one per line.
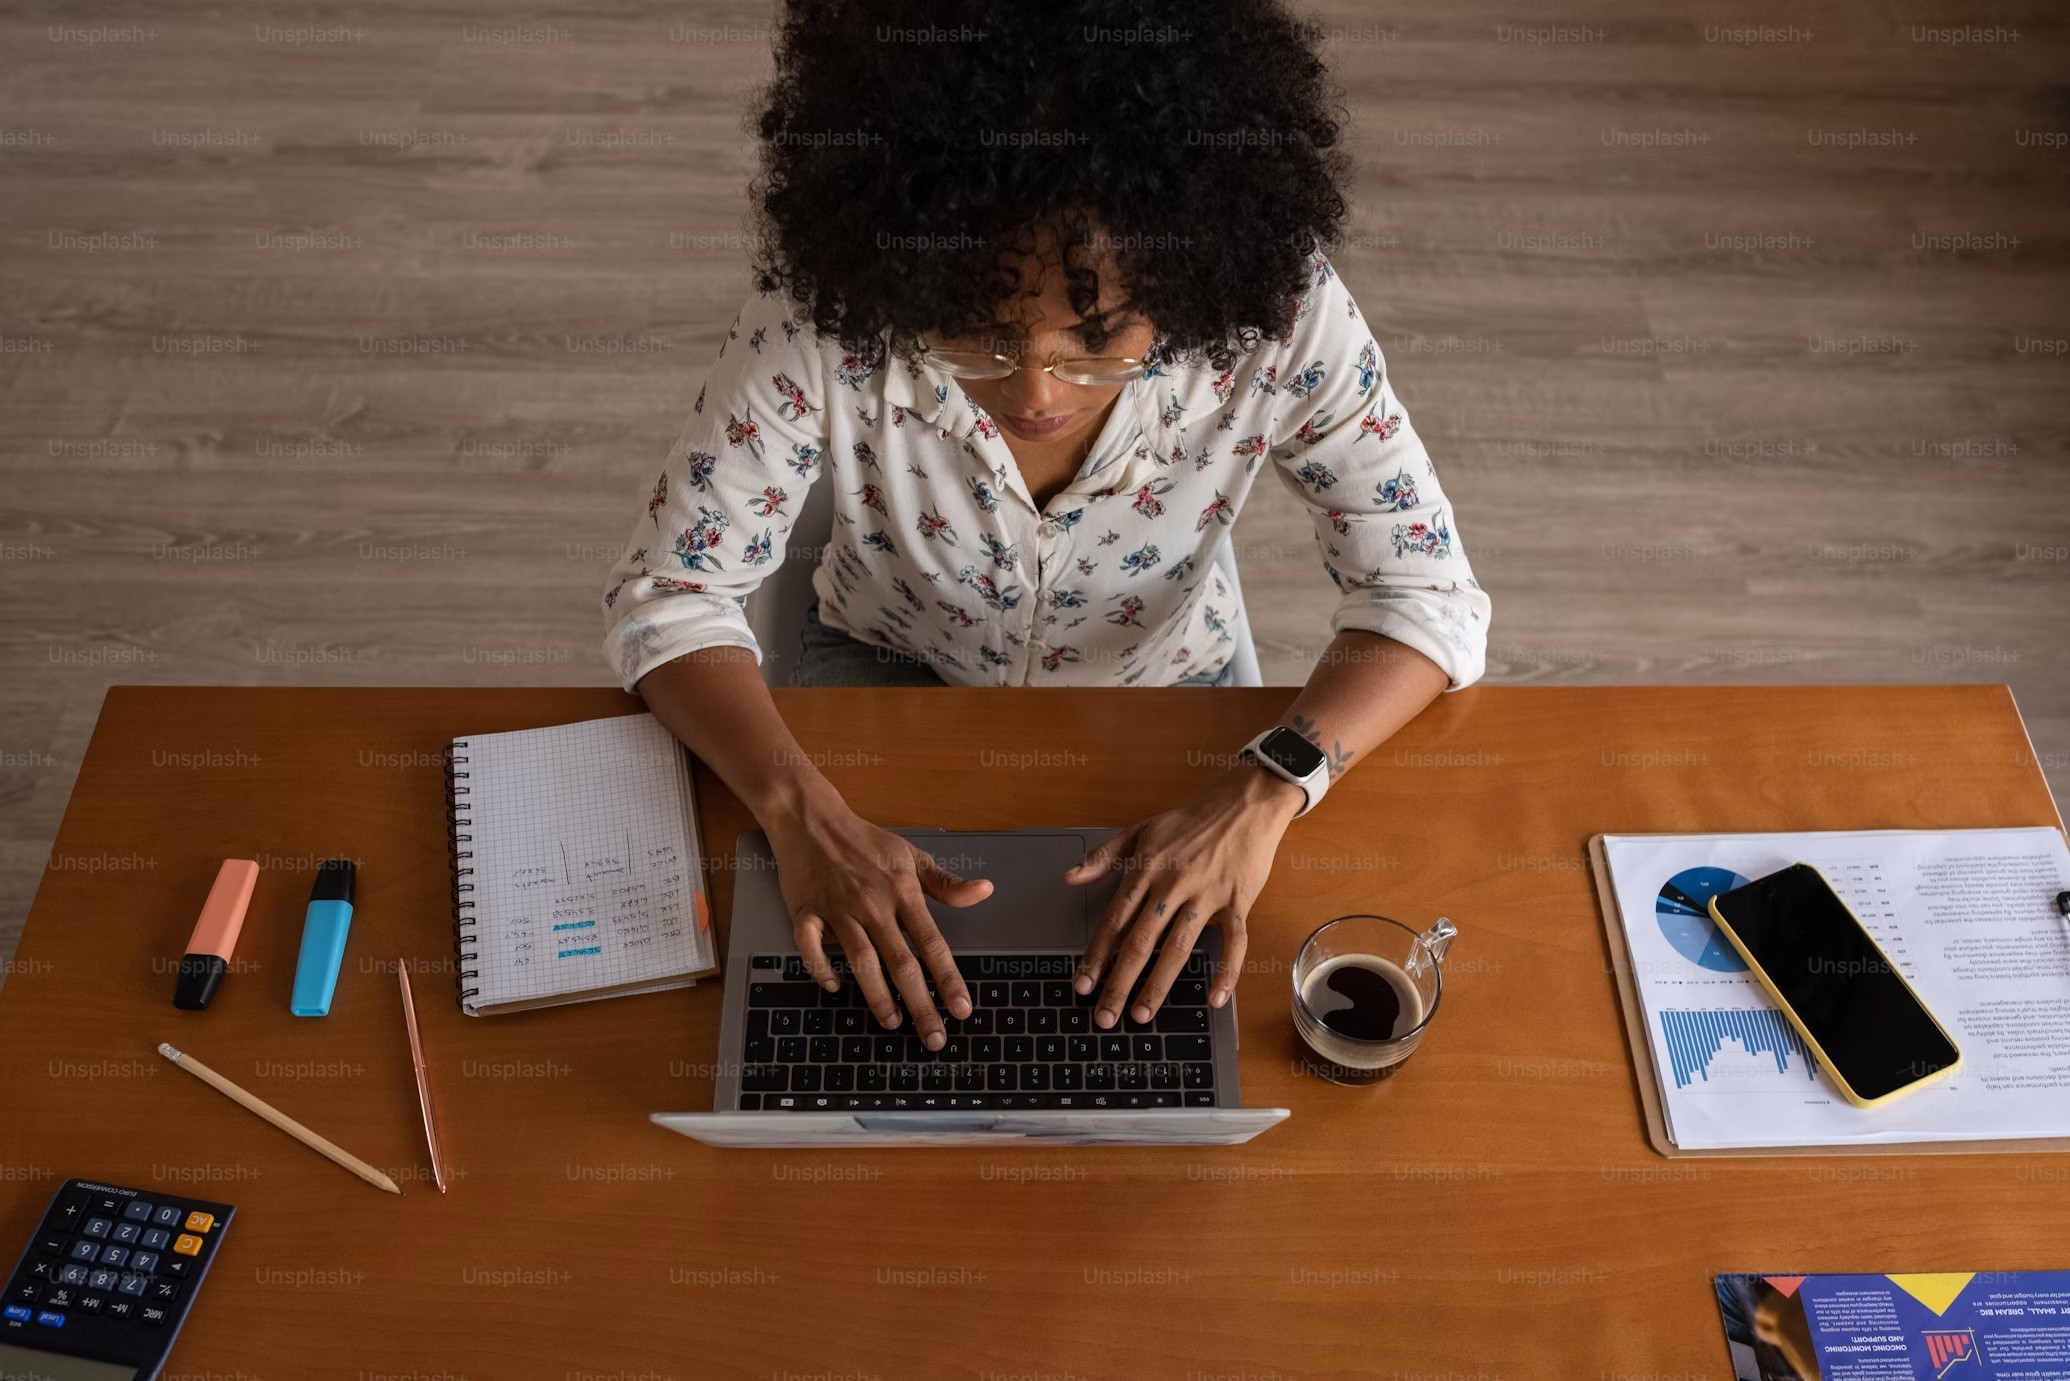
1031, 905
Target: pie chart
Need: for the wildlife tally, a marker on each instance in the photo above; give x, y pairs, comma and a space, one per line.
1685, 919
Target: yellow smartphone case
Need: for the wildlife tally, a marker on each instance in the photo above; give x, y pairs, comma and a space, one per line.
1804, 1033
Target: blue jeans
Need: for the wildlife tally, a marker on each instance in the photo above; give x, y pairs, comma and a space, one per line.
829, 657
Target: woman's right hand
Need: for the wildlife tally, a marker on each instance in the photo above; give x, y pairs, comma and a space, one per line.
867, 888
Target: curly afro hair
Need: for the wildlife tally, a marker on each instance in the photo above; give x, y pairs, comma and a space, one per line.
909, 146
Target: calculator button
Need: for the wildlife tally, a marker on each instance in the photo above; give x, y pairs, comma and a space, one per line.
154, 1314
42, 1270
163, 1291
91, 1304
167, 1216
137, 1211
60, 1296
105, 1205
120, 1308
18, 1313
174, 1266
24, 1292
97, 1227
112, 1255
187, 1244
50, 1318
51, 1244
144, 1262
85, 1249
74, 1274
197, 1221
126, 1232
156, 1239
103, 1279
134, 1284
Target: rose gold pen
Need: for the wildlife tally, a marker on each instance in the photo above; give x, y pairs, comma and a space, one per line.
438, 1169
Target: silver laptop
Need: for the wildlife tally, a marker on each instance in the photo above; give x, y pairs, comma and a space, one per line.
802, 1067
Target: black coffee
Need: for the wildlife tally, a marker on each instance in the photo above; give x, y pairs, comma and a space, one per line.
1365, 998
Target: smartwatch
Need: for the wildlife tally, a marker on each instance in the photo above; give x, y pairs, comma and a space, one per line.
1284, 753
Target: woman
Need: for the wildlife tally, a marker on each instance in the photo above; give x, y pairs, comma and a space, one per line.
1043, 295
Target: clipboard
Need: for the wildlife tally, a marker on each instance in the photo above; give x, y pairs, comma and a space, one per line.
1649, 1075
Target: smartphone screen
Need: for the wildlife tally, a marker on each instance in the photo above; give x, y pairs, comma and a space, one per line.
1861, 1012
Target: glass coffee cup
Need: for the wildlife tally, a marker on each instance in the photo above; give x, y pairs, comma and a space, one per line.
1365, 989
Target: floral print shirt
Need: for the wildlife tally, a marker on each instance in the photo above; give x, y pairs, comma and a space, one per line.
939, 550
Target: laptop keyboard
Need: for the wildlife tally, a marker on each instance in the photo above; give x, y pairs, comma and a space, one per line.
1028, 1043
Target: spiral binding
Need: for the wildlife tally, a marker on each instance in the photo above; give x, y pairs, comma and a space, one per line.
463, 909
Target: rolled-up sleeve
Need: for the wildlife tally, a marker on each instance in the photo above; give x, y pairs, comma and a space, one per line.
1389, 536
717, 516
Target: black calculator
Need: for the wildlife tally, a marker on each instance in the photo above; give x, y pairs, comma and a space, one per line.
106, 1282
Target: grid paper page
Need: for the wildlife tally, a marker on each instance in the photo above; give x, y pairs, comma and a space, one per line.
585, 867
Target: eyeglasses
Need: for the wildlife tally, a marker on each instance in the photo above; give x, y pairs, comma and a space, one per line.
979, 364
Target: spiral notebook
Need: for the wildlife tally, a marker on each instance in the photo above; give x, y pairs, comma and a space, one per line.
576, 868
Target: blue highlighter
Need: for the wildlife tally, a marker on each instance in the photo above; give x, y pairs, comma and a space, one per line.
324, 929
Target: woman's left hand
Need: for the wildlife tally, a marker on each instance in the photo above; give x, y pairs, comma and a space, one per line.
1204, 862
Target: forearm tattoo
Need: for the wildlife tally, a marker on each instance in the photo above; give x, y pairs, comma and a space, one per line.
1336, 755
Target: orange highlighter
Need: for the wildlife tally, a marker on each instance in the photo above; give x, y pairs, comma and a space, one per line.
215, 935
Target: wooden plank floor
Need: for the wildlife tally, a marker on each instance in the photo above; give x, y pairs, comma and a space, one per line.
336, 346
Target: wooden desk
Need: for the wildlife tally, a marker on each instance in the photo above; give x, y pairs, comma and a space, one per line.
1494, 1211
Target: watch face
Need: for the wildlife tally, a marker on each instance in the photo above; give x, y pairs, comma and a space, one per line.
1296, 754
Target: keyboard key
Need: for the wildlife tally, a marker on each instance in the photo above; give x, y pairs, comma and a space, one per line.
783, 995
825, 1049
890, 1049
937, 1078
1098, 1077
1042, 1019
1066, 1078
136, 1285
1164, 1075
1186, 1048
126, 1232
1027, 993
994, 994
1200, 1098
838, 1079
157, 1239
819, 1022
1035, 1078
916, 1051
905, 1078
970, 1078
751, 1102
143, 1262
761, 1050
18, 1313
197, 1221
978, 1023
804, 1079
1001, 1078
51, 1244
50, 1318
1056, 993
1132, 1076
1074, 1020
1188, 992
1081, 1048
787, 1022
74, 1274
175, 1266
1113, 1048
1198, 1075
764, 1078
86, 1249
849, 1022
120, 1309
855, 1050
791, 1050
987, 1049
955, 1050
1188, 1020
103, 1279
1049, 1049
97, 1227
1145, 1048
1020, 1049
154, 1315
60, 1296
1012, 1021
167, 1216
136, 1210
163, 1291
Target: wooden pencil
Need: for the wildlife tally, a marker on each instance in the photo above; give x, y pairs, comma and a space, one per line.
279, 1119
